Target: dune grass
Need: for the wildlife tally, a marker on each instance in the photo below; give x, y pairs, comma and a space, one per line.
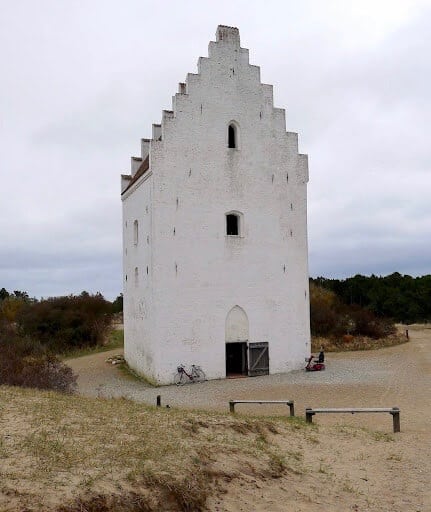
112, 452
68, 453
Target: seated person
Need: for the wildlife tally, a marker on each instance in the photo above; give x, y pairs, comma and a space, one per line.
321, 358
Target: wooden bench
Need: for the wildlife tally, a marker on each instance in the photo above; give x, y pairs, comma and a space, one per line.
290, 403
394, 411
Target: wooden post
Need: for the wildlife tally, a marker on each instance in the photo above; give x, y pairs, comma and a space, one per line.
396, 419
292, 409
309, 415
407, 333
231, 406
159, 400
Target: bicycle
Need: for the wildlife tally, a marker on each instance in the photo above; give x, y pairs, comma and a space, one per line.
195, 374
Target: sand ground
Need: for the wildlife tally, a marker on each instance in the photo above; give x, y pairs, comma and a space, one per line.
392, 475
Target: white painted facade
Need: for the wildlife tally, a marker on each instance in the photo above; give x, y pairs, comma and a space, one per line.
183, 275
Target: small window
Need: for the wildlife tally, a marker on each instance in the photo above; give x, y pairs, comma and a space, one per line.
232, 224
135, 232
232, 136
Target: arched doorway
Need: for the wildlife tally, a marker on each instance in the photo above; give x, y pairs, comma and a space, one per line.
237, 335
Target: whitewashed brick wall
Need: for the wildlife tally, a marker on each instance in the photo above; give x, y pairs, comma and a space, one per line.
196, 274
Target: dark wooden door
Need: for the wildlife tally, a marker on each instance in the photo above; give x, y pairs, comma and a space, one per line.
258, 357
236, 359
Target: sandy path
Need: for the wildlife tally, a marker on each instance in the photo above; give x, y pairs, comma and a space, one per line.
395, 376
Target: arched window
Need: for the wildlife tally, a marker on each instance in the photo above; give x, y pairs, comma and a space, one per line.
135, 232
232, 135
236, 325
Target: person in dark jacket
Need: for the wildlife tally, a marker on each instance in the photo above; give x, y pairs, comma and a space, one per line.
321, 358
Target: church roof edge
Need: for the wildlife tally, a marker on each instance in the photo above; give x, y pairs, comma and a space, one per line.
143, 168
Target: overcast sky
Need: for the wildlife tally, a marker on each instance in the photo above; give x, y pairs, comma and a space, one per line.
82, 82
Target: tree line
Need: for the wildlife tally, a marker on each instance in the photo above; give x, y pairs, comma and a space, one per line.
403, 298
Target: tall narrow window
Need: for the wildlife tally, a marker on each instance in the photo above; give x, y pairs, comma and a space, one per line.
135, 232
232, 136
232, 224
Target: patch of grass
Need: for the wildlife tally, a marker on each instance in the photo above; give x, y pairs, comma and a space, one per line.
382, 436
3, 451
249, 425
261, 441
127, 502
296, 455
281, 461
395, 457
188, 493
298, 423
361, 457
191, 425
312, 438
348, 430
43, 445
131, 374
348, 487
277, 465
323, 468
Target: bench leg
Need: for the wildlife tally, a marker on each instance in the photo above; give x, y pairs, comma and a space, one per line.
292, 409
396, 419
231, 407
309, 415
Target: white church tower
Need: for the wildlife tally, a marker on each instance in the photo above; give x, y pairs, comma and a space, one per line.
215, 230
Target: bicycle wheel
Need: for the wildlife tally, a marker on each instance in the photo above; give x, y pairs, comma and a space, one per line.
199, 374
179, 379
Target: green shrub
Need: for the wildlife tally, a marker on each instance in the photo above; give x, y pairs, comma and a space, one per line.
62, 323
329, 317
326, 315
366, 323
25, 362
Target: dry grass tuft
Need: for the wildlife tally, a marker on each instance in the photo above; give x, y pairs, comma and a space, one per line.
185, 493
128, 502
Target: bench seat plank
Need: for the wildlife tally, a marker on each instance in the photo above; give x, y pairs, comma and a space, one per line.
261, 401
394, 411
290, 403
355, 409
